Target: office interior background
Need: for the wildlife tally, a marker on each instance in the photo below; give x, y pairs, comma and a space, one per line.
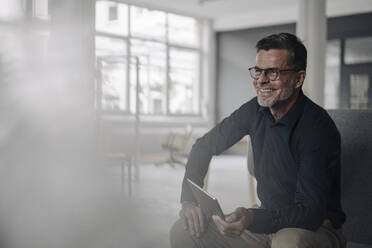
102, 100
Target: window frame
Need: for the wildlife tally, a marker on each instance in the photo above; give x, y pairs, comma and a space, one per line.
166, 113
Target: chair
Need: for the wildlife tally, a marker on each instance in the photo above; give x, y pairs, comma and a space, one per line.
244, 143
251, 179
356, 174
113, 153
175, 150
176, 144
125, 162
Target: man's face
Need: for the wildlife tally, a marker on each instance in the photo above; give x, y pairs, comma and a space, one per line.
273, 93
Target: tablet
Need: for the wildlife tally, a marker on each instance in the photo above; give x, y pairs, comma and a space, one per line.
208, 203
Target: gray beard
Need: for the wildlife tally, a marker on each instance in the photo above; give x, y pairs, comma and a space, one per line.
283, 97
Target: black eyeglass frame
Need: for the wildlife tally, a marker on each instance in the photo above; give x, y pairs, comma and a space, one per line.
268, 70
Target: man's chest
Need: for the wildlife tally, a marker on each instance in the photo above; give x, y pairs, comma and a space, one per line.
275, 152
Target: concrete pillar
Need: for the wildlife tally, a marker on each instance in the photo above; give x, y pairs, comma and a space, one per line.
312, 30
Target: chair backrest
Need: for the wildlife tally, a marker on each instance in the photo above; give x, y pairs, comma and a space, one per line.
356, 172
177, 142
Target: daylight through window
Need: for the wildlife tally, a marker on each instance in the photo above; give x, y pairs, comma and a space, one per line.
168, 48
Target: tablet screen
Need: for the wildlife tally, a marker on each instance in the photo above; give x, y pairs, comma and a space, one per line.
207, 202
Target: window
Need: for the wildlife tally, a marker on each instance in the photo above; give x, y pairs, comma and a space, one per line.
358, 50
113, 13
182, 90
332, 74
359, 91
41, 9
112, 18
37, 9
168, 48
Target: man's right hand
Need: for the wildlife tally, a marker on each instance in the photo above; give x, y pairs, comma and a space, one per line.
192, 218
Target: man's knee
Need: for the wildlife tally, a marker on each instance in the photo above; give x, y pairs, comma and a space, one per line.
179, 237
293, 238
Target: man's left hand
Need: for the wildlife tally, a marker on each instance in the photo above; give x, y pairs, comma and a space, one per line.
234, 223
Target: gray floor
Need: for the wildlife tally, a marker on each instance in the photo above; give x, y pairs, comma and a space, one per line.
154, 205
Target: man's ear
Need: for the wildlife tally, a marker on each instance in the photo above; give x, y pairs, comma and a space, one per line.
300, 78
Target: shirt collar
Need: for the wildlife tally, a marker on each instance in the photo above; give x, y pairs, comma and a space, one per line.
293, 114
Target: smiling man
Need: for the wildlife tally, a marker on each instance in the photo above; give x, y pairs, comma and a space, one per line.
296, 148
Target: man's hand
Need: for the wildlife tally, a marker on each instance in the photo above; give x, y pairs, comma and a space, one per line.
193, 218
235, 223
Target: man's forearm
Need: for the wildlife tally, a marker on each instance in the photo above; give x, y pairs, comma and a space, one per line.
270, 221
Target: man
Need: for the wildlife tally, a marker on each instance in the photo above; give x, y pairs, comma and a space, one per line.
296, 149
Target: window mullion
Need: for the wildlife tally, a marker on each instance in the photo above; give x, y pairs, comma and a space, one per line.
201, 74
167, 68
200, 77
128, 61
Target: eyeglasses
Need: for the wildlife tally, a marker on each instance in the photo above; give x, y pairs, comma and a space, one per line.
271, 73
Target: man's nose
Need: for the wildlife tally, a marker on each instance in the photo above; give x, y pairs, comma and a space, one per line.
263, 78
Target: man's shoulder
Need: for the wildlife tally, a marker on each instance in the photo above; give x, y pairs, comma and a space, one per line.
246, 114
316, 119
250, 106
317, 130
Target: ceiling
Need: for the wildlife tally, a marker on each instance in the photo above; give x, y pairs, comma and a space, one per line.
239, 14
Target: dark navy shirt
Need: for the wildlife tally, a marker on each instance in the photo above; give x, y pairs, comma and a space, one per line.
296, 163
